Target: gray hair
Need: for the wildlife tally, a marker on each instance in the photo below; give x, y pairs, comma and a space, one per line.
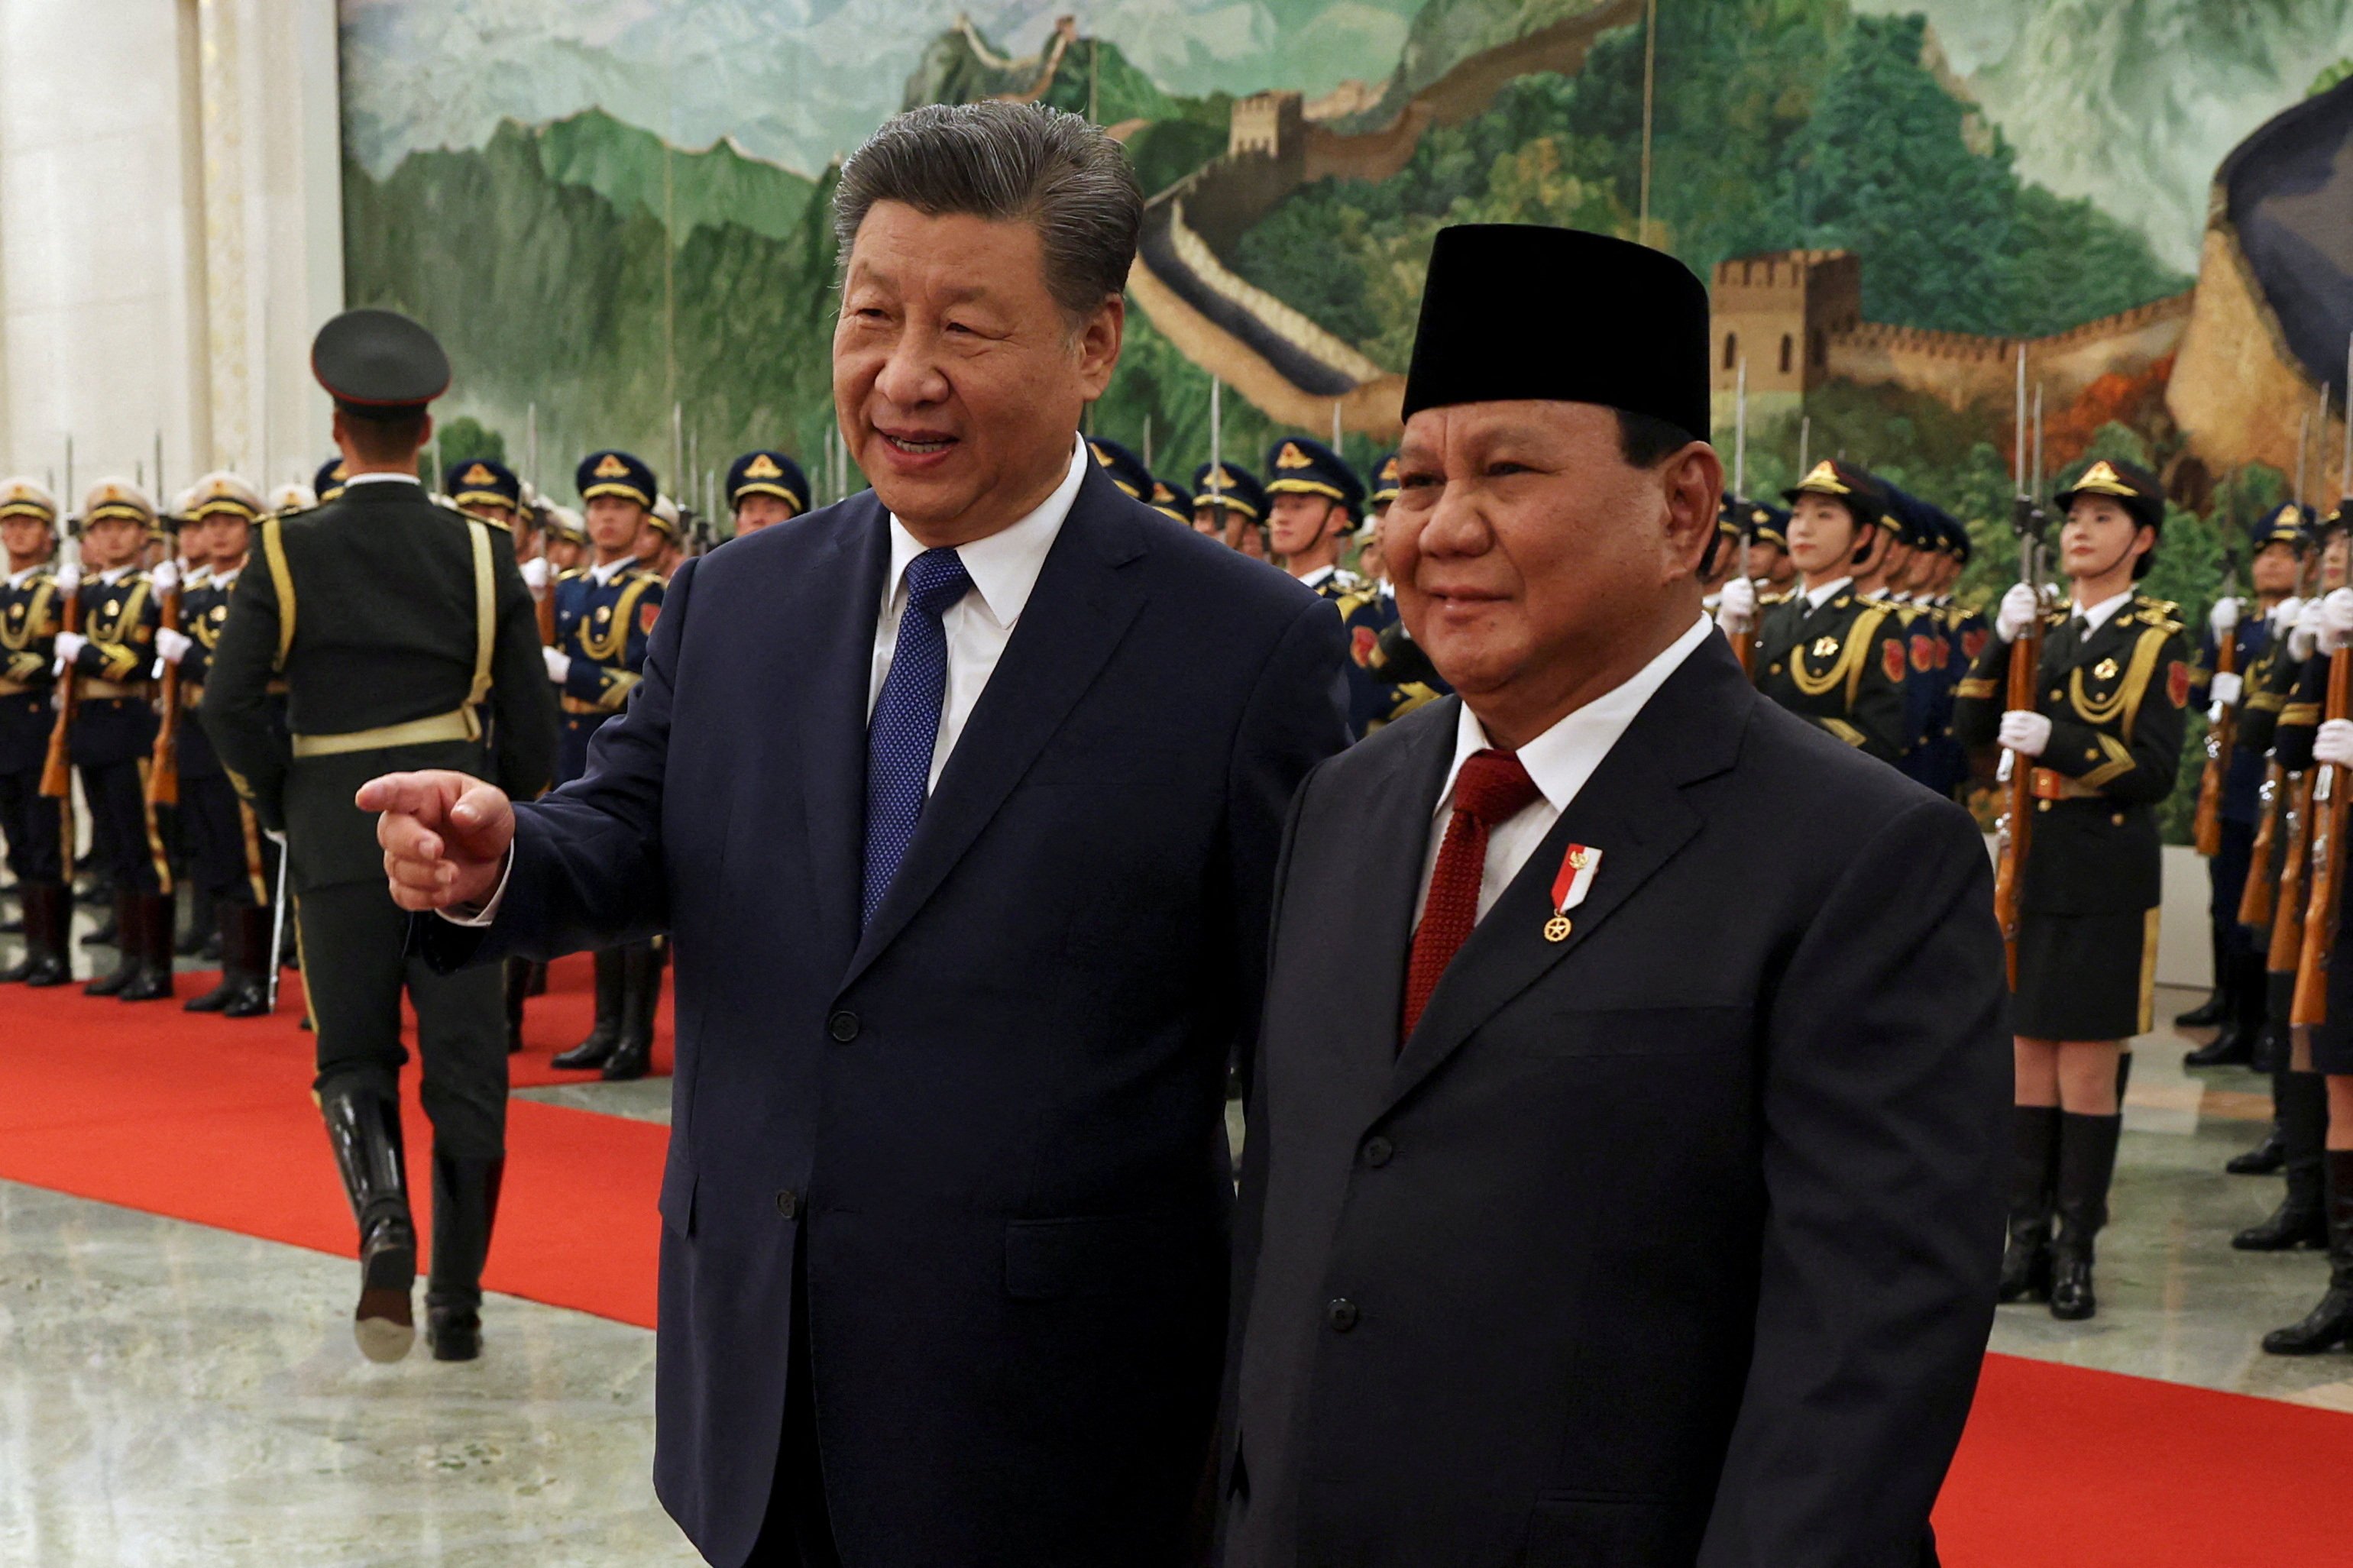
1005, 162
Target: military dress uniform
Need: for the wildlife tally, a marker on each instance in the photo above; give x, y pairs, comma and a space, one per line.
407, 640
110, 740
1835, 657
1126, 468
768, 472
604, 623
229, 858
32, 613
2114, 691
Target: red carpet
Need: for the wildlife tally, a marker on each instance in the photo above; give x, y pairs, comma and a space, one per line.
210, 1121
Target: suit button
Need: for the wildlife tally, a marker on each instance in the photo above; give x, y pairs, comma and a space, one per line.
1377, 1152
842, 1027
1341, 1314
788, 1204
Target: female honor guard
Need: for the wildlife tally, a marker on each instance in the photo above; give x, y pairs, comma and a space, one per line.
604, 619
1826, 653
32, 610
2104, 740
113, 729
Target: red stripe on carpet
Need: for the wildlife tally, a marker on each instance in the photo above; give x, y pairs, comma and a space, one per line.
207, 1119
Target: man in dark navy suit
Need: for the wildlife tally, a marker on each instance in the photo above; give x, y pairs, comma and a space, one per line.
1645, 1211
970, 907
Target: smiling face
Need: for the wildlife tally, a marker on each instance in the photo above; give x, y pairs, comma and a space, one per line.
957, 379
1532, 563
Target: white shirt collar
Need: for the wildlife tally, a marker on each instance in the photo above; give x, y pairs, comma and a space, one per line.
1003, 566
1817, 598
381, 479
113, 574
1562, 758
1316, 578
18, 579
611, 569
220, 579
2098, 613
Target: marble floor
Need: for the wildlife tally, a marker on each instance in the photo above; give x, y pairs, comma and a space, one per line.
172, 1395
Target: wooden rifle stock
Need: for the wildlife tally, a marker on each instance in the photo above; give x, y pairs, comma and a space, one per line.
2263, 866
2287, 916
2206, 828
163, 765
57, 768
545, 610
2016, 778
2331, 794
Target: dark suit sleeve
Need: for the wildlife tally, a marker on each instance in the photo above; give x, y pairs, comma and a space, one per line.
587, 869
1886, 1087
1297, 716
522, 703
236, 711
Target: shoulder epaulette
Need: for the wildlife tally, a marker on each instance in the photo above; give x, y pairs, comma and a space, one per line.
475, 516
569, 573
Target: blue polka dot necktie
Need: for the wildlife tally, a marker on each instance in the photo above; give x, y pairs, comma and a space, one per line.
906, 723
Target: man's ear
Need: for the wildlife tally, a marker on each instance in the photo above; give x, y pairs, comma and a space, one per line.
1692, 480
1099, 344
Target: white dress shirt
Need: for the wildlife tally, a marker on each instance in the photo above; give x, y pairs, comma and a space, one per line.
1004, 568
382, 478
1817, 598
2099, 614
18, 579
1559, 761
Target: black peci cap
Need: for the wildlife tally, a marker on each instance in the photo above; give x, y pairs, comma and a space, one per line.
1639, 344
379, 359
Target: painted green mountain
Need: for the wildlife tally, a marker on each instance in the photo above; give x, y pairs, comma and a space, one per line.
640, 174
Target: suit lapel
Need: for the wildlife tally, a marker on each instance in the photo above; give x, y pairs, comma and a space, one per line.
1632, 810
839, 634
1083, 605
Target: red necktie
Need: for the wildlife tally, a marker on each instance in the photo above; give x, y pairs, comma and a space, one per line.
1492, 785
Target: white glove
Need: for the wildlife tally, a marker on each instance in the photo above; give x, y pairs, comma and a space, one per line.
2214, 711
2285, 612
534, 573
69, 577
274, 837
2225, 618
2025, 731
172, 645
2311, 620
2015, 612
2336, 610
1737, 607
2334, 743
2226, 688
70, 647
559, 664
166, 577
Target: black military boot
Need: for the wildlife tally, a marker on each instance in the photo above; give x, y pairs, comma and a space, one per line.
153, 982
2235, 1042
538, 986
2301, 1219
2266, 1157
203, 928
640, 998
515, 974
107, 932
2217, 1006
233, 960
363, 1128
2330, 1323
2033, 1169
2087, 1162
606, 1034
465, 1206
49, 912
128, 952
250, 926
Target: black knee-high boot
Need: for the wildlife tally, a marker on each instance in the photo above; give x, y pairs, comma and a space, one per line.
2217, 1006
128, 951
363, 1129
2087, 1163
465, 1208
640, 998
2267, 1156
2331, 1322
2034, 1173
606, 1034
2301, 1219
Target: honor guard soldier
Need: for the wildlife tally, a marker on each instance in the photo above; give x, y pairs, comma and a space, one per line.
1768, 564
604, 619
1126, 468
1311, 502
765, 487
109, 662
328, 482
487, 489
2252, 694
227, 862
567, 540
1931, 757
1229, 502
32, 613
405, 639
291, 498
1172, 500
2103, 742
1826, 653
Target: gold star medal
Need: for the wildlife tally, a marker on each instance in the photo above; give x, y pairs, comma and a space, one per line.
1570, 887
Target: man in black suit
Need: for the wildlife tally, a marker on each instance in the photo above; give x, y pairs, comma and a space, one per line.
970, 906
1645, 1209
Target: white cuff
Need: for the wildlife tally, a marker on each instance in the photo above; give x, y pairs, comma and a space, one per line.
482, 914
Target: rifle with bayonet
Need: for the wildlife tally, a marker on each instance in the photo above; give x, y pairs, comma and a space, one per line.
2222, 731
2013, 833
